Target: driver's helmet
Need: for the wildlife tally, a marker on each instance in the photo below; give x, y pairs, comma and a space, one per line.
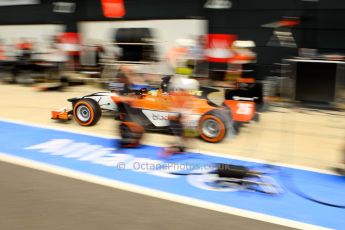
182, 83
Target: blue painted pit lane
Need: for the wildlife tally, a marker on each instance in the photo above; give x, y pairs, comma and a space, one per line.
97, 156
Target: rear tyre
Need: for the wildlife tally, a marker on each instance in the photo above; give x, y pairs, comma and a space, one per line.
87, 112
212, 127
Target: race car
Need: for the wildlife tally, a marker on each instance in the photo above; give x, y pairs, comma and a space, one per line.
152, 112
87, 110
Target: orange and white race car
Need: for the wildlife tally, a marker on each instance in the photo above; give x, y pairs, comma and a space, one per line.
153, 111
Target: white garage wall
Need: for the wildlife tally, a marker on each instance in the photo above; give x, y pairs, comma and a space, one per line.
38, 33
166, 31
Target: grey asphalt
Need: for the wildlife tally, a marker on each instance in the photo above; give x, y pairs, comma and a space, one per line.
34, 200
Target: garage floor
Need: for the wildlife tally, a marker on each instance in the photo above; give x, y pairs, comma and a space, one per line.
301, 137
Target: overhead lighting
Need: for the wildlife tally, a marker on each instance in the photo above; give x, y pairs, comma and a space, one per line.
18, 2
218, 4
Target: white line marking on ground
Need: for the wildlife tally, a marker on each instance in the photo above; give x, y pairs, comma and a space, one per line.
154, 193
228, 156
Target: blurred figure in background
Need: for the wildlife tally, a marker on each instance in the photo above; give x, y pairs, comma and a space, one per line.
241, 64
70, 44
100, 52
55, 54
2, 50
177, 56
25, 48
181, 106
197, 59
187, 55
124, 80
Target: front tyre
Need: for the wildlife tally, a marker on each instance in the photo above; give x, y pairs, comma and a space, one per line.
87, 112
212, 127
